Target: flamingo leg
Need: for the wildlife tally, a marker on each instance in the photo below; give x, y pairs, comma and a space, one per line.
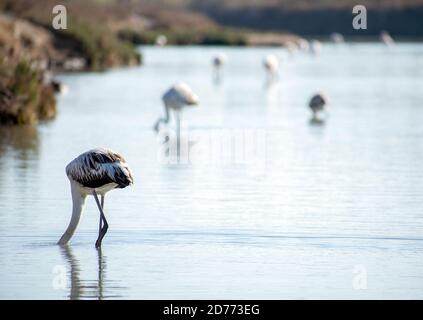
103, 229
101, 220
178, 134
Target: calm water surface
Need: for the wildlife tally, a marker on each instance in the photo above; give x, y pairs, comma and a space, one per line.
323, 207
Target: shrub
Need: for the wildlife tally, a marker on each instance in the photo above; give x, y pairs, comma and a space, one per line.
24, 99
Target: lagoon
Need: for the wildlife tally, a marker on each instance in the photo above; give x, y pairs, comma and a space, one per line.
329, 211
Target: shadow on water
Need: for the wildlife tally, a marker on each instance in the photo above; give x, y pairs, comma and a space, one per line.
89, 289
174, 151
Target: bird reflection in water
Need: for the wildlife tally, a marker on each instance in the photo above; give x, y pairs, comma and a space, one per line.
218, 62
317, 122
88, 289
173, 150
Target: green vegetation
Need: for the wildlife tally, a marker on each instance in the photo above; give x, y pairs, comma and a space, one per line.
24, 99
98, 46
88, 44
88, 35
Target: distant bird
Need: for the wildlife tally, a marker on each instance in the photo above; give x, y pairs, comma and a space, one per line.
271, 64
218, 61
337, 37
315, 47
303, 45
94, 172
317, 103
161, 40
386, 38
59, 87
291, 47
176, 98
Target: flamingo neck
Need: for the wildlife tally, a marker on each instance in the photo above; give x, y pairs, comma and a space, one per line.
78, 204
162, 120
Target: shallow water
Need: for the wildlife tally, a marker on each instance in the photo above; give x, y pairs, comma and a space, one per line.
330, 210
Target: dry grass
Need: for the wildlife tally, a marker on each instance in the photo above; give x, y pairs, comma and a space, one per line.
88, 34
24, 99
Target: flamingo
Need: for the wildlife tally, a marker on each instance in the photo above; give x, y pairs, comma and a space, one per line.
291, 47
271, 64
59, 87
386, 38
315, 47
317, 103
303, 45
176, 98
94, 172
161, 40
337, 37
218, 62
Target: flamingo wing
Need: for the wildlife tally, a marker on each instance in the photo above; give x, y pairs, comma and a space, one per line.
99, 167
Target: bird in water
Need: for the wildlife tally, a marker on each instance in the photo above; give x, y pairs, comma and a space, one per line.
315, 47
317, 103
95, 173
291, 47
161, 40
176, 98
303, 45
337, 38
218, 62
271, 64
386, 38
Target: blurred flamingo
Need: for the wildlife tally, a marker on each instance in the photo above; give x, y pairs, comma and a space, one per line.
271, 64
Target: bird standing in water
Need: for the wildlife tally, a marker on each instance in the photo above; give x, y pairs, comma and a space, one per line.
386, 38
315, 47
337, 38
176, 98
317, 103
271, 64
95, 173
218, 62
